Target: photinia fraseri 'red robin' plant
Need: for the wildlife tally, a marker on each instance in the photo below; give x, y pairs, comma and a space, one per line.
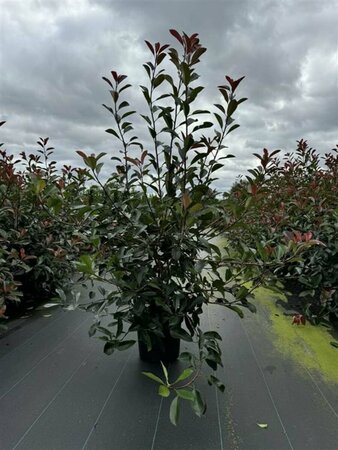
39, 227
156, 241
298, 202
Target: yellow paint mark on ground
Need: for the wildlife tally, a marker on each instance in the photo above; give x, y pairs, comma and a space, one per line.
308, 345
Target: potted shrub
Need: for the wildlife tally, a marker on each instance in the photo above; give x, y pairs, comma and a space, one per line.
155, 236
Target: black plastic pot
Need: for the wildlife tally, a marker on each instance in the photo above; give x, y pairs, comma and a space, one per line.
33, 295
165, 350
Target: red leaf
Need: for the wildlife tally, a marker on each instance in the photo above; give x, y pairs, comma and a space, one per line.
81, 153
297, 236
298, 319
120, 78
144, 154
307, 236
114, 75
151, 48
234, 83
135, 161
254, 189
295, 320
177, 35
164, 47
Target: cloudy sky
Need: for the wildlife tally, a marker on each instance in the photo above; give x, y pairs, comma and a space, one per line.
53, 54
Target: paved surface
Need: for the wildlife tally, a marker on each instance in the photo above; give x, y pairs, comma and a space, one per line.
59, 391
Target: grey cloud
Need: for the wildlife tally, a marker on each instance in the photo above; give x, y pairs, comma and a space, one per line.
54, 54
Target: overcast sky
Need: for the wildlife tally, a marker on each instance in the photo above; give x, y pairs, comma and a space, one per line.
53, 54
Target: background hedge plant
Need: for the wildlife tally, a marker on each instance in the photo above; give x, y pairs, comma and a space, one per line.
41, 232
299, 202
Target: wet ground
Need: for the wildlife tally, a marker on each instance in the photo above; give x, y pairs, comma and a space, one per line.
59, 391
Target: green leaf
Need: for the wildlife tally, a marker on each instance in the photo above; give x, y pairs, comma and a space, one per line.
185, 394
251, 307
85, 264
163, 390
55, 203
181, 334
194, 92
232, 106
185, 374
262, 425
233, 128
113, 132
198, 405
146, 118
124, 345
203, 125
123, 105
237, 309
39, 185
219, 119
185, 73
211, 363
212, 335
153, 377
174, 411
334, 344
92, 329
176, 253
186, 357
158, 80
109, 348
165, 372
216, 167
216, 382
146, 94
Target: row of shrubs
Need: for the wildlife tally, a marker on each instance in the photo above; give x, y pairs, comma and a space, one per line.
41, 231
299, 201
47, 220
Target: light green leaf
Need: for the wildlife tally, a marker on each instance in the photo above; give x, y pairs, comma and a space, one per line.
262, 425
153, 377
185, 374
163, 390
184, 393
165, 372
174, 411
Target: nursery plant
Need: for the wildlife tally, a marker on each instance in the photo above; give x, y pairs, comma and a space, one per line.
299, 202
40, 232
157, 240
